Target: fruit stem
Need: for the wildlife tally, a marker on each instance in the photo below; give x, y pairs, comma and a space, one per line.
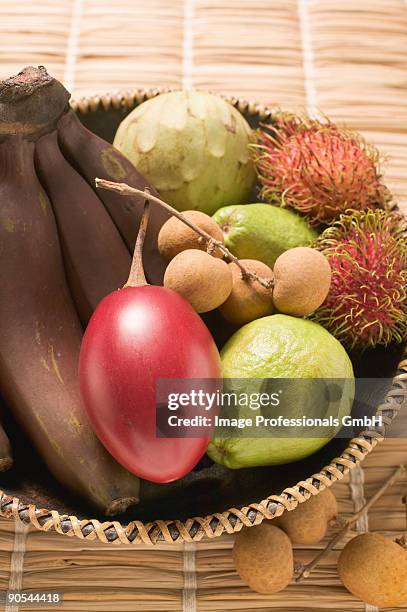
137, 278
31, 103
306, 570
126, 190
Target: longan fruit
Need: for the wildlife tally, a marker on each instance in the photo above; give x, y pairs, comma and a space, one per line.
263, 558
204, 281
328, 499
175, 236
248, 300
308, 522
374, 569
302, 278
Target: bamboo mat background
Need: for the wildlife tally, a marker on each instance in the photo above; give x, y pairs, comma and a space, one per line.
345, 58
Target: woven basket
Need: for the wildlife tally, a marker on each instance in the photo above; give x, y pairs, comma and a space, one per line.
102, 114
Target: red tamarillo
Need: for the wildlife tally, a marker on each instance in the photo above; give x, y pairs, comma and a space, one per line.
136, 337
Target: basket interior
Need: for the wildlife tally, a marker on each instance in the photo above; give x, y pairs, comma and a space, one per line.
209, 488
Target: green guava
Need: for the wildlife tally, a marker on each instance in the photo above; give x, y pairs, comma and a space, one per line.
284, 347
262, 231
193, 147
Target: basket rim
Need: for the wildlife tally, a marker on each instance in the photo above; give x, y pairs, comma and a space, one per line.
231, 520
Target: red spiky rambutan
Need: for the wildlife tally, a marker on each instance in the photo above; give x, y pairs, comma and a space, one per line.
367, 301
317, 168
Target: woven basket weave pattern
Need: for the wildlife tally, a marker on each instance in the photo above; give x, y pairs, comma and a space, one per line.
233, 519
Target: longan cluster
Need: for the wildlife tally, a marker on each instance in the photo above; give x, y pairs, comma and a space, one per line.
372, 567
202, 278
263, 555
243, 290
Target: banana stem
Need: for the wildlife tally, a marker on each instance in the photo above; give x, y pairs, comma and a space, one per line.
126, 190
31, 102
306, 570
137, 278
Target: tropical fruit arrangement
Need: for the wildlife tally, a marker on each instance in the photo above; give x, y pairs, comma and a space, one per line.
112, 256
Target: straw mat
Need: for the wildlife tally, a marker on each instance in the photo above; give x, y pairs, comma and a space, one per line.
347, 59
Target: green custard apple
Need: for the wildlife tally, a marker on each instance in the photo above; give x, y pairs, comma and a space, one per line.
262, 231
284, 347
193, 147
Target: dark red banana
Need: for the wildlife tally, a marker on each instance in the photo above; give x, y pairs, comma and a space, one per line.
96, 259
40, 336
94, 157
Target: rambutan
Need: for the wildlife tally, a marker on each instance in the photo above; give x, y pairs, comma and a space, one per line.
317, 168
367, 301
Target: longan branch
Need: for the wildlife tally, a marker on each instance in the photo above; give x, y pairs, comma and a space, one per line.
306, 570
126, 190
403, 539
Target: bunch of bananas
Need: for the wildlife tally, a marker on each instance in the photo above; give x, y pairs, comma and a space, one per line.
63, 247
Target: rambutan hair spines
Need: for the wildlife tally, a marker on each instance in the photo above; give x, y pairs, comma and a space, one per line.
317, 168
367, 301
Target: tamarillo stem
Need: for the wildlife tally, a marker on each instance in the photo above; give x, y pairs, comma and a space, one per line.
126, 190
137, 277
306, 570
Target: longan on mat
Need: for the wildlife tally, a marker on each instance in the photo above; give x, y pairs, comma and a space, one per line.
374, 569
263, 558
